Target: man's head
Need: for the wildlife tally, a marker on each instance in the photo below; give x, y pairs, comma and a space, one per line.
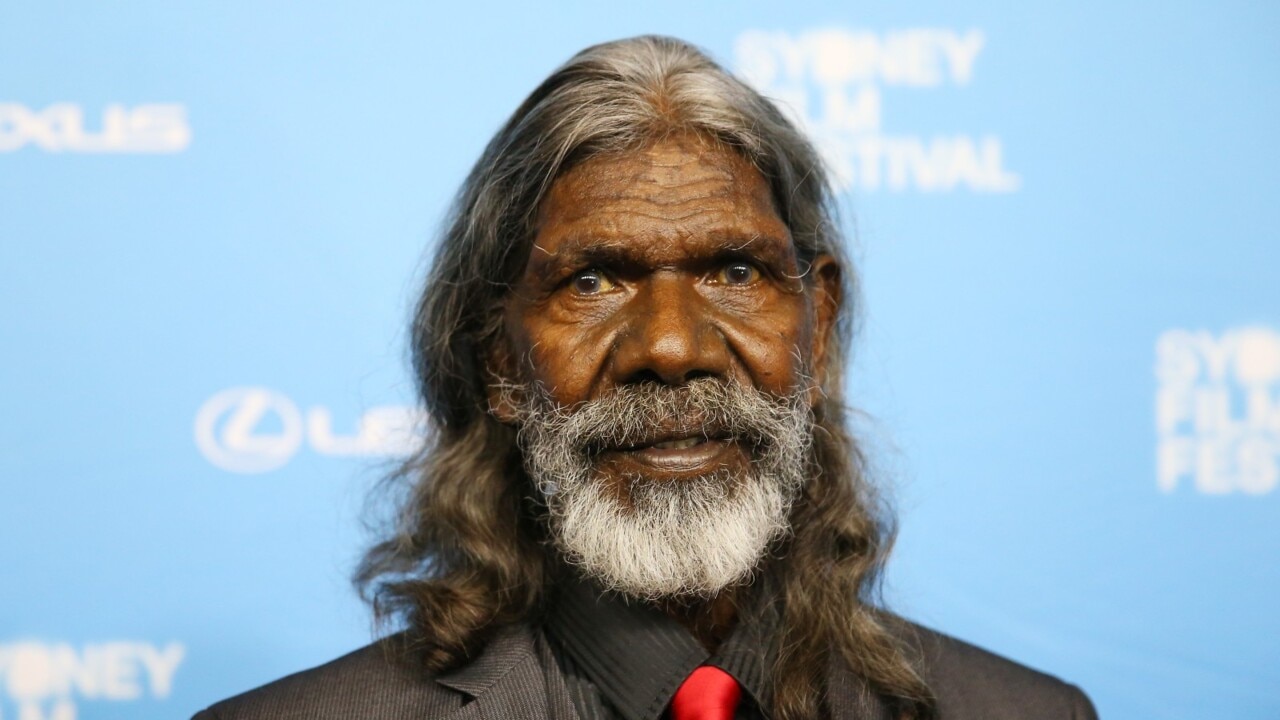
630, 347
662, 337
618, 115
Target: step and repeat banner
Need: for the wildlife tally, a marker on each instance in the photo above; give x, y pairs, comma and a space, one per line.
214, 217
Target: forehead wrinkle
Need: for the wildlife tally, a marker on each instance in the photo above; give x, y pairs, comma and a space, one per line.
644, 216
672, 200
604, 246
625, 177
608, 195
598, 206
668, 217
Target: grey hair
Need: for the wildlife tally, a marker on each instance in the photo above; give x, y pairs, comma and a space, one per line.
691, 538
469, 550
609, 98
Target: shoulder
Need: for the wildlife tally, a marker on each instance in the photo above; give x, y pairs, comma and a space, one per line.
368, 683
970, 682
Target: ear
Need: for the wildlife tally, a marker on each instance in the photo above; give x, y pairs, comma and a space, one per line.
827, 294
499, 371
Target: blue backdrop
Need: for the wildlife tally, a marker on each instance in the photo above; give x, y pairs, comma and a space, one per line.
213, 219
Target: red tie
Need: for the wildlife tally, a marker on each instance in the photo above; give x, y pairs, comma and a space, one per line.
709, 693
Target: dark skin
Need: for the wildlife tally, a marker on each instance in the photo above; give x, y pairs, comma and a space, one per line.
663, 265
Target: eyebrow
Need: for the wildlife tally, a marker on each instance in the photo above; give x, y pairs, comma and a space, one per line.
594, 249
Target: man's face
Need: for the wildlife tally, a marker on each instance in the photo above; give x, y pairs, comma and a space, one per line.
663, 304
661, 266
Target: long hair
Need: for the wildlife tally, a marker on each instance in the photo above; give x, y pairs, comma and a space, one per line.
467, 553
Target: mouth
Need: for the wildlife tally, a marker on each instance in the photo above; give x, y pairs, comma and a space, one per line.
682, 444
682, 454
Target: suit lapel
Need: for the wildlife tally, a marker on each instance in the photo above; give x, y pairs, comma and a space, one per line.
851, 697
507, 682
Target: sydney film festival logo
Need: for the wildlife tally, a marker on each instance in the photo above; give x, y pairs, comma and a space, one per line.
153, 128
831, 82
50, 680
1218, 410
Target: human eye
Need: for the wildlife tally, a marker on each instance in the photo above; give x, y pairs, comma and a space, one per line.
590, 282
737, 272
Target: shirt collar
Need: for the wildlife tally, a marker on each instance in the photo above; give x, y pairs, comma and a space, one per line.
637, 656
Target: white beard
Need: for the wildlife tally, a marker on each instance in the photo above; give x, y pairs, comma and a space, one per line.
688, 537
674, 538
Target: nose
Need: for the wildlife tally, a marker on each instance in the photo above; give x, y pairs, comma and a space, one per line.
669, 336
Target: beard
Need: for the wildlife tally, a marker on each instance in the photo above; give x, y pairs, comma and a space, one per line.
656, 538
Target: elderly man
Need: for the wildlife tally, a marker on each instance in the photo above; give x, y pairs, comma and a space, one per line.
638, 499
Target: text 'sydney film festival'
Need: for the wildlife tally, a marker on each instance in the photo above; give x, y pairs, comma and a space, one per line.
1058, 273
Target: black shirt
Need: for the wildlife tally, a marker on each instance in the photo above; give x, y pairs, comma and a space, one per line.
624, 660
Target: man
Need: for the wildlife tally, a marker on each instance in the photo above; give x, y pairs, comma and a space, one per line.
638, 499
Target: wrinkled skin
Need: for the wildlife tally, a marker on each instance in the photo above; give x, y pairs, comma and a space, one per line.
663, 265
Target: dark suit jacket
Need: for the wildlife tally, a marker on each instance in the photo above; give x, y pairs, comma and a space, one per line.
507, 682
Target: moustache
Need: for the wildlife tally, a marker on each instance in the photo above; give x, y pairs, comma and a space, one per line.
646, 414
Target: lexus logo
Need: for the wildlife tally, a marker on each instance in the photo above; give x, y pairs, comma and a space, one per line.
228, 430
256, 430
67, 127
